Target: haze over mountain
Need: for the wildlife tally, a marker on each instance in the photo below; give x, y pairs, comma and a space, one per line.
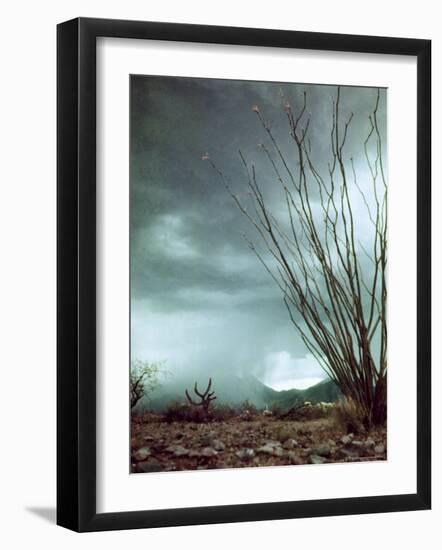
234, 390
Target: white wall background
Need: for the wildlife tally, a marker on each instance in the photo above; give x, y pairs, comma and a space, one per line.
27, 274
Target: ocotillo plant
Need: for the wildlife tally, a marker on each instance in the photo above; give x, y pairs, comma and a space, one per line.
312, 247
206, 397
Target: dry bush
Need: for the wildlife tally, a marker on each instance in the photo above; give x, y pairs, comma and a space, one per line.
141, 416
222, 412
307, 412
143, 380
247, 410
347, 416
303, 411
276, 410
184, 412
315, 412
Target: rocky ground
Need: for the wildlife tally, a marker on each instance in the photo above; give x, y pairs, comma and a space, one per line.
160, 446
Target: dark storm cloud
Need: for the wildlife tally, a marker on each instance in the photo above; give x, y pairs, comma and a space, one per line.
191, 269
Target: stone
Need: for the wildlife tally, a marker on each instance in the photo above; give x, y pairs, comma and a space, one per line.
316, 459
245, 454
290, 444
379, 449
218, 445
273, 443
345, 439
193, 453
294, 458
142, 454
369, 443
358, 447
177, 450
208, 452
321, 450
158, 445
150, 466
348, 454
286, 432
269, 449
207, 439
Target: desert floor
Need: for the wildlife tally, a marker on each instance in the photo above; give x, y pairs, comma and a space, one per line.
158, 446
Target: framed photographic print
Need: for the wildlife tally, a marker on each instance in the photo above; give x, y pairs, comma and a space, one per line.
243, 263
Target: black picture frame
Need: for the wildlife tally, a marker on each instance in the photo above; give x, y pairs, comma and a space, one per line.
76, 274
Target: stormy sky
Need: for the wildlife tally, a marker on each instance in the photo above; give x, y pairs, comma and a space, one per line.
200, 300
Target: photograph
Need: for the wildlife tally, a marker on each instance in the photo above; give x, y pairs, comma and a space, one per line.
221, 252
258, 273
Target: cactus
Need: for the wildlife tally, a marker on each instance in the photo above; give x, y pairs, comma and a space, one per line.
206, 397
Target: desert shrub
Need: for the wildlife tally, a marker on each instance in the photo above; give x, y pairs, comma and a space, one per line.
302, 411
183, 412
175, 412
143, 380
315, 412
248, 406
277, 410
347, 416
222, 412
246, 411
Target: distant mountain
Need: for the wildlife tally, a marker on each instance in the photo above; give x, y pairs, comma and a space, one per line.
236, 390
326, 391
